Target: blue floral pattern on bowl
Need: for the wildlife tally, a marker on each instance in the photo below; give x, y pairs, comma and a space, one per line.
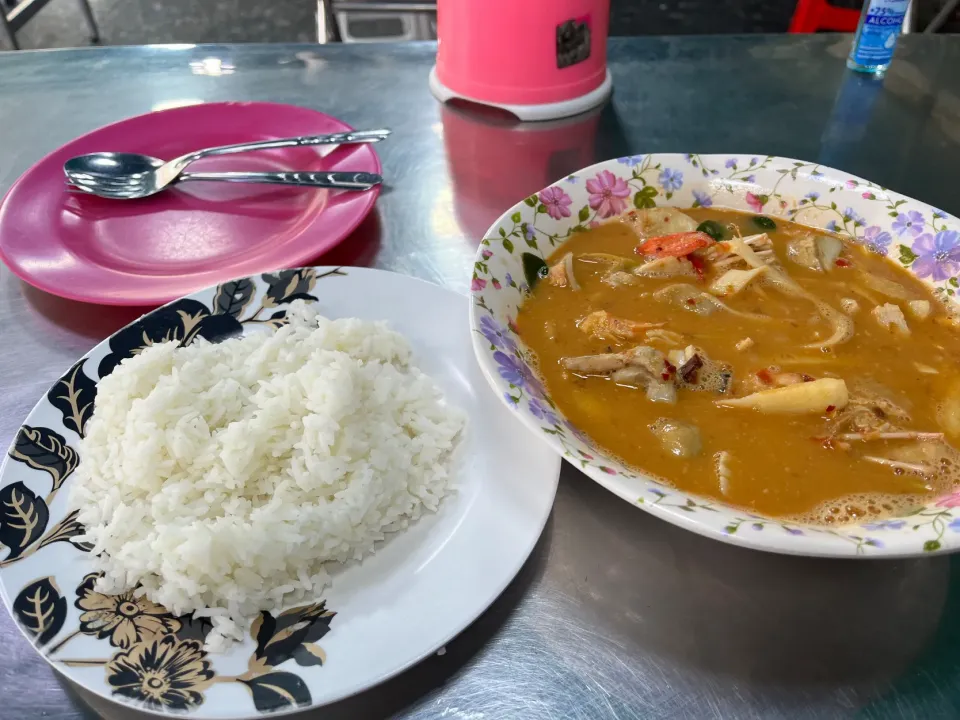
920, 238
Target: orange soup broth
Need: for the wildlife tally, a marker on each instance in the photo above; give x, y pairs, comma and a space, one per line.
778, 466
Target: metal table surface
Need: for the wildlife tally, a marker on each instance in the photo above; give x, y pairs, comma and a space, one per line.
616, 614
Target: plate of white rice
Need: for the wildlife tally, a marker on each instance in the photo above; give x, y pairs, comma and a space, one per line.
267, 496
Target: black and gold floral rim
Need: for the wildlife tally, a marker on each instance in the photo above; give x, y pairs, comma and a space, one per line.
155, 659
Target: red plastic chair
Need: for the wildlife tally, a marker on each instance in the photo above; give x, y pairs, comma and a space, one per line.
813, 15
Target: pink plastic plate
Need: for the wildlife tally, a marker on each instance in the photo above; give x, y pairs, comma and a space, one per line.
149, 251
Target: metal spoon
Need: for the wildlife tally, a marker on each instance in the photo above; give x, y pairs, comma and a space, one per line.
145, 175
131, 189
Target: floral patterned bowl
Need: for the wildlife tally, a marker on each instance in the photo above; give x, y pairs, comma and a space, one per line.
921, 238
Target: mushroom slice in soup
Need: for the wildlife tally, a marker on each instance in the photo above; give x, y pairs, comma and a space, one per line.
677, 438
655, 222
920, 309
886, 287
557, 275
815, 252
891, 317
619, 278
829, 250
686, 297
842, 326
734, 281
661, 391
614, 262
802, 251
561, 274
695, 300
849, 306
666, 267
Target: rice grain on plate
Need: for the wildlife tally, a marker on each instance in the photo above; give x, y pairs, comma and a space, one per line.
222, 477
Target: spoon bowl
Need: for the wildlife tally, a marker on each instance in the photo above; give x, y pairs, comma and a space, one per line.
112, 165
121, 175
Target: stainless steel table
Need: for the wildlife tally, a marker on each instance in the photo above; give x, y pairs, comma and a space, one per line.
616, 614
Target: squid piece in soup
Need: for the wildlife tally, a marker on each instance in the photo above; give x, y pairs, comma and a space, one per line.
768, 365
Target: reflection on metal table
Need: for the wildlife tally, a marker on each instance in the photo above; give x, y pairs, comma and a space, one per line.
616, 614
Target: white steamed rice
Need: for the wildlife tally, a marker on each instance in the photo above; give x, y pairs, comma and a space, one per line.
222, 477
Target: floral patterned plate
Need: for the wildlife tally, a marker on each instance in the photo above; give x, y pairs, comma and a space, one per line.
918, 237
420, 589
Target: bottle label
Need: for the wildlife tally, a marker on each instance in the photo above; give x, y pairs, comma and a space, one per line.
878, 34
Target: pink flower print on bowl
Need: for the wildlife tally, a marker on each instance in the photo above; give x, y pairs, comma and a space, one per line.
556, 201
607, 193
755, 202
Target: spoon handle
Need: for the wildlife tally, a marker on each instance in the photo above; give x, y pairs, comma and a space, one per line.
341, 180
344, 138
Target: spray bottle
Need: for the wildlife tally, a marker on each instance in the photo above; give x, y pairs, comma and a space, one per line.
877, 35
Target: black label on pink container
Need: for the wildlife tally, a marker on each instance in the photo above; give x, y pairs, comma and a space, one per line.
573, 41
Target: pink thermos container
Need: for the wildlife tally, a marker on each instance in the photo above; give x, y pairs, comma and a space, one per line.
538, 59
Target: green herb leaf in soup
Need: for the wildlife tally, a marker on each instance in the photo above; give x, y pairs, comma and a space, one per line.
534, 269
712, 228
